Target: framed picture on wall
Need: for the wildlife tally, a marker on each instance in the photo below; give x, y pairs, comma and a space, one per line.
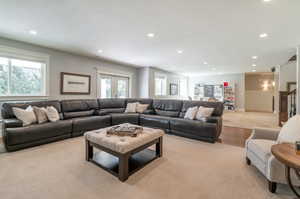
173, 89
75, 84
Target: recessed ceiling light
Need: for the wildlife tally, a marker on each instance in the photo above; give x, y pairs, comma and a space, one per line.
33, 32
253, 65
150, 35
100, 51
253, 70
254, 57
180, 51
267, 0
263, 35
205, 63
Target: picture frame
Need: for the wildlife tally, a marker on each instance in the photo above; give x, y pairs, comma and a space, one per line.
75, 84
173, 89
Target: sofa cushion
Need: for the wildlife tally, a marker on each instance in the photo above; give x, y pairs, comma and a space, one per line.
154, 121
68, 115
108, 111
218, 107
79, 105
261, 148
112, 103
194, 127
82, 124
132, 118
141, 101
7, 111
37, 132
170, 108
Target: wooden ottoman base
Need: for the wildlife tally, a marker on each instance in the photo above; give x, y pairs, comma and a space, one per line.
122, 165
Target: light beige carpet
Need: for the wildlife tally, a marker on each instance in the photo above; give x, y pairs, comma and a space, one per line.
250, 120
189, 169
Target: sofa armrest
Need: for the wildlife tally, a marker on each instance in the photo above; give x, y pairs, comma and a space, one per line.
12, 123
264, 133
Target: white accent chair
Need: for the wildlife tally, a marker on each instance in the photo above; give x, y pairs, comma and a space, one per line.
258, 153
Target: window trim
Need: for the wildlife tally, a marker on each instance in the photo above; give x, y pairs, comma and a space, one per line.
16, 53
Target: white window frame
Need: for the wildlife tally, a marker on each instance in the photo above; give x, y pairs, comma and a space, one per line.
104, 72
156, 75
15, 53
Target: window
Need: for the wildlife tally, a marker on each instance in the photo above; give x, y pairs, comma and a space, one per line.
21, 77
160, 85
183, 87
112, 86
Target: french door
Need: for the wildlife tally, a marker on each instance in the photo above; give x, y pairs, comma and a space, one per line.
112, 86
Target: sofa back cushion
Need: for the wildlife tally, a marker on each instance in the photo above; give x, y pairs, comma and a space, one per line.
79, 108
170, 108
114, 105
218, 107
7, 112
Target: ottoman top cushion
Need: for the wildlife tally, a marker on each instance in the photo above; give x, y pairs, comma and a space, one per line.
122, 144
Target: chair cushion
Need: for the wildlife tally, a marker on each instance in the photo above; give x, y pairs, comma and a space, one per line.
290, 131
261, 148
37, 132
82, 124
154, 121
120, 118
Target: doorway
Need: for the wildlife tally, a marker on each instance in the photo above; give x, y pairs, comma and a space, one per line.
112, 86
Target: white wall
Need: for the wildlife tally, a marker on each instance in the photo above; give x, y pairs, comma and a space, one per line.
237, 79
67, 62
287, 73
147, 83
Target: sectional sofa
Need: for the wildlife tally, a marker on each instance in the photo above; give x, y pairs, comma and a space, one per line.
79, 116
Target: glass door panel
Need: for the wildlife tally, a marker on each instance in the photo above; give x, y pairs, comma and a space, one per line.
122, 88
114, 86
106, 87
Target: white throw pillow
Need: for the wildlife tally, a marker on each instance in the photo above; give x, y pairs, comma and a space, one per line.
204, 112
52, 114
131, 107
140, 108
27, 115
40, 114
191, 113
290, 133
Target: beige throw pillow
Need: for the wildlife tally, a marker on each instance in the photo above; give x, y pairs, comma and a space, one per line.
41, 114
131, 107
52, 114
204, 112
140, 108
191, 113
27, 115
289, 133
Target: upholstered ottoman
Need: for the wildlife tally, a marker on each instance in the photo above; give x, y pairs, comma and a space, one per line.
123, 155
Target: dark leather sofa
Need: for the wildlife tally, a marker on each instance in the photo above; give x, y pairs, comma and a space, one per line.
78, 116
